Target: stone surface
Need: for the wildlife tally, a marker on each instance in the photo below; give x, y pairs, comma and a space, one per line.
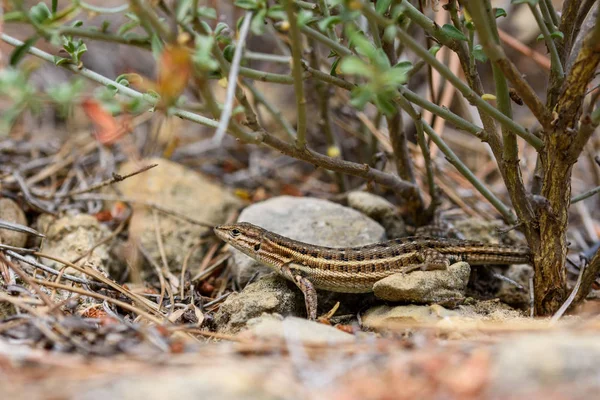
380, 210
464, 317
71, 237
11, 212
179, 189
487, 231
424, 287
511, 294
270, 294
309, 220
293, 329
534, 362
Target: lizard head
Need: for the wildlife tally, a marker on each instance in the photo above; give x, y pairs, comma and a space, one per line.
242, 235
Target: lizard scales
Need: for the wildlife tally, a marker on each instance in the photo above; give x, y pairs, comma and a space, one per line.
356, 269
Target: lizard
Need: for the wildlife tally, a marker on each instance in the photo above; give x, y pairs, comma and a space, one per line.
356, 269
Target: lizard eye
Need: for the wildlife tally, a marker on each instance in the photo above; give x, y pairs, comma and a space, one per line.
235, 232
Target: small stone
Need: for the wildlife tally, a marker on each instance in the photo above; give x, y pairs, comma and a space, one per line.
270, 294
309, 220
182, 190
464, 317
72, 237
514, 295
295, 330
386, 317
424, 287
487, 231
11, 212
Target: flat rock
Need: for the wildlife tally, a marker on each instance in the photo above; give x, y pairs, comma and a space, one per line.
308, 220
11, 212
72, 237
424, 287
293, 329
270, 294
514, 295
179, 189
464, 317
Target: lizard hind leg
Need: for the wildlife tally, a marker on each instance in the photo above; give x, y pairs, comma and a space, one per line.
307, 288
430, 260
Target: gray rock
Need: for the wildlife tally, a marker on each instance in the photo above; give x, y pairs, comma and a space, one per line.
182, 190
534, 363
11, 212
71, 237
293, 329
380, 210
487, 231
424, 287
309, 220
511, 294
270, 294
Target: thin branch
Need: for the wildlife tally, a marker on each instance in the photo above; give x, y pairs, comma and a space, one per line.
469, 94
405, 189
232, 80
275, 112
496, 55
297, 74
502, 208
556, 66
585, 195
115, 178
571, 98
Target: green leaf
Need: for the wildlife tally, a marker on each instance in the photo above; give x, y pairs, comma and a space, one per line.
557, 35
305, 17
434, 49
77, 23
360, 96
385, 105
277, 13
221, 26
20, 51
382, 6
500, 12
389, 33
202, 57
60, 60
182, 9
257, 25
531, 2
246, 4
353, 65
334, 66
156, 45
40, 13
228, 52
452, 32
479, 54
329, 22
207, 12
54, 6
14, 16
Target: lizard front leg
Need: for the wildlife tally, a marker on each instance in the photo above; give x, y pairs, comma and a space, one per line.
307, 288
